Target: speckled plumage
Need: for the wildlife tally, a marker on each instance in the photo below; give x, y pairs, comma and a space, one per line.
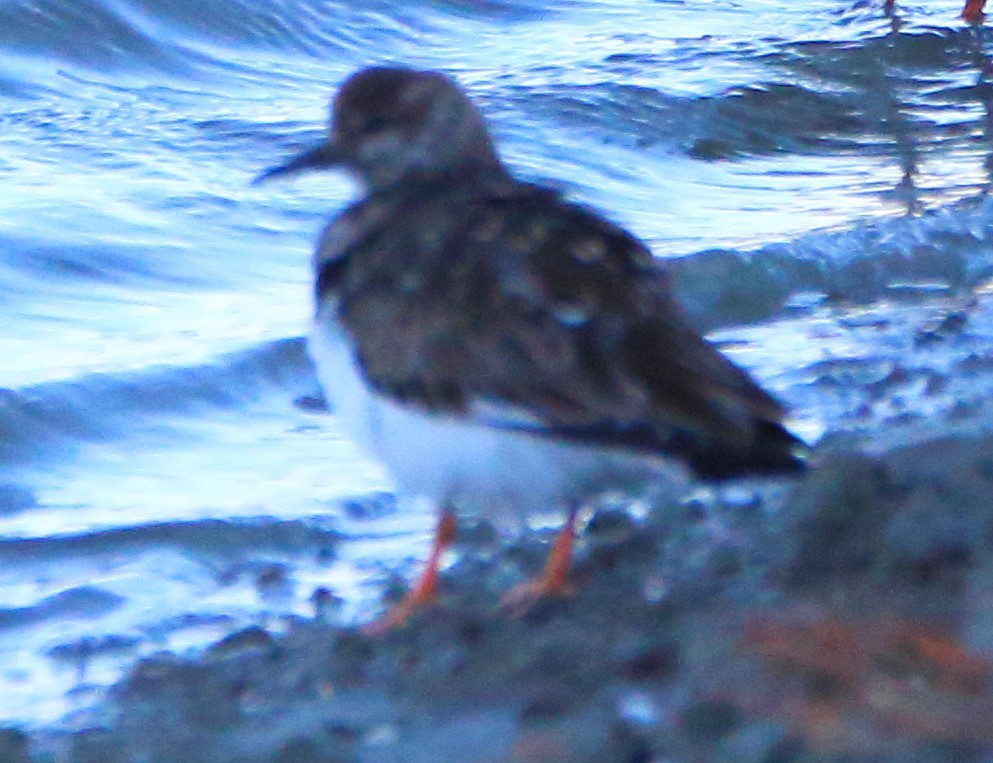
454, 295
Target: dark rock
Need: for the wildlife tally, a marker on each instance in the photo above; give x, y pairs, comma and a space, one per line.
252, 637
658, 662
843, 508
14, 746
710, 720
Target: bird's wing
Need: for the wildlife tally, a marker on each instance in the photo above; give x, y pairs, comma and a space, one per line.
538, 314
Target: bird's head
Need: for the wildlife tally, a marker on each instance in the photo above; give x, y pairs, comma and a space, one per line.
390, 124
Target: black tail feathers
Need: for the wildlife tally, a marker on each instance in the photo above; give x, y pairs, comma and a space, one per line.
775, 451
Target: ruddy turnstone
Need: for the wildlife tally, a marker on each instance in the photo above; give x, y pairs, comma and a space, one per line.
500, 349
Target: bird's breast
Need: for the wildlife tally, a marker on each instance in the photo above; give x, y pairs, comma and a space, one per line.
456, 458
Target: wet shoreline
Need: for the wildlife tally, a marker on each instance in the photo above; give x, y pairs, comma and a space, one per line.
842, 617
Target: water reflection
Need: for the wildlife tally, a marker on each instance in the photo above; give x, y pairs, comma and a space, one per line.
971, 44
972, 12
920, 98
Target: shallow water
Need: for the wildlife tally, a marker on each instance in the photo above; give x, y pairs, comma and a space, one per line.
816, 170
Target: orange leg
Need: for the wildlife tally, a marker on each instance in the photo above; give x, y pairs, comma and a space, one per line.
554, 579
425, 591
973, 11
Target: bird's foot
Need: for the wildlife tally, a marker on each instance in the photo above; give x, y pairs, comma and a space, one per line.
425, 593
521, 598
417, 599
553, 580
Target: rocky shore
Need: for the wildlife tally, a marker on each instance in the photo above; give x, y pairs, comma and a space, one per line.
844, 617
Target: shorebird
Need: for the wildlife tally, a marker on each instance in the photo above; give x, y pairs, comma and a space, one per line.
501, 349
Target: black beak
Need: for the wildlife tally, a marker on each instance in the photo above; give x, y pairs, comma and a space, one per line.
320, 156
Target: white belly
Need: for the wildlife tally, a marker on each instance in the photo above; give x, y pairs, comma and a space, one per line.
487, 470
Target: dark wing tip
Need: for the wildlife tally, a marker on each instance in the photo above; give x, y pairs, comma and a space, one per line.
775, 452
